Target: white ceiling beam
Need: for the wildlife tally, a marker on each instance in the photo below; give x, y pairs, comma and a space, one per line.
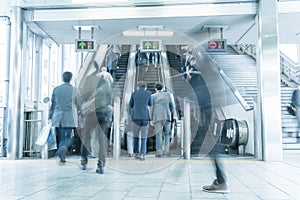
141, 12
288, 7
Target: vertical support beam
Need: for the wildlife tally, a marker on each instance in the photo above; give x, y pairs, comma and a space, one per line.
16, 101
37, 68
117, 135
269, 96
4, 83
187, 129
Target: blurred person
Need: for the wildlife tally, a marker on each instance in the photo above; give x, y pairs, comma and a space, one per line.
112, 58
140, 101
65, 108
99, 118
161, 114
129, 134
219, 185
296, 104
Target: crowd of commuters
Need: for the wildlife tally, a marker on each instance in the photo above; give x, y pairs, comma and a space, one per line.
145, 109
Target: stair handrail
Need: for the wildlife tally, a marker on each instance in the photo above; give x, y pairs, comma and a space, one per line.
236, 93
166, 77
129, 83
289, 68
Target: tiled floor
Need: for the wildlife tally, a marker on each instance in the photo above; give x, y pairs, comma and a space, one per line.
155, 178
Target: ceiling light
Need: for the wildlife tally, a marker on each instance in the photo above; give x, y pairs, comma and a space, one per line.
298, 34
97, 1
86, 27
148, 33
206, 27
149, 27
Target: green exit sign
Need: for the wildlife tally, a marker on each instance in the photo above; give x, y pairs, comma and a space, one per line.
150, 45
85, 45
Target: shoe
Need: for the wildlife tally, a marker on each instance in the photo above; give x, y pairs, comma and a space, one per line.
167, 154
137, 156
62, 161
61, 153
130, 155
83, 167
83, 164
142, 157
216, 187
100, 169
158, 155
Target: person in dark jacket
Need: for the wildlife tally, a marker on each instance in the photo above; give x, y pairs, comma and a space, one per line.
140, 101
65, 108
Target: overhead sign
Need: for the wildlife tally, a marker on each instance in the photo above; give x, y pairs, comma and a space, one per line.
150, 45
217, 45
85, 45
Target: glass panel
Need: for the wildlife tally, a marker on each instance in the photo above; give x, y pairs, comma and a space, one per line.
290, 50
29, 65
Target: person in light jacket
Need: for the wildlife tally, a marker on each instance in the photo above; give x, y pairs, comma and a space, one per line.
161, 115
65, 108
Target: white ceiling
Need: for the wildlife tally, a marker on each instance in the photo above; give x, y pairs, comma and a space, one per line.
55, 19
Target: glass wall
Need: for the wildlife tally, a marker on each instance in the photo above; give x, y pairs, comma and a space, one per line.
290, 50
4, 79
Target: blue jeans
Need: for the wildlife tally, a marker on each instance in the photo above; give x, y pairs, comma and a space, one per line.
160, 126
64, 141
140, 130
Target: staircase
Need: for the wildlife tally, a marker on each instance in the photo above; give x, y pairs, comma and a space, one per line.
241, 70
121, 71
151, 74
289, 122
182, 89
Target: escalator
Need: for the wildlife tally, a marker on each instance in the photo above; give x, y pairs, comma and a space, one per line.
197, 93
121, 71
151, 74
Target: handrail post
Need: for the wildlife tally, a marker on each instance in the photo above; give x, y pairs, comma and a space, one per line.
117, 138
187, 129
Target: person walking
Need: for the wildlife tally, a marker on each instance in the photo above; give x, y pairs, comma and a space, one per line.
296, 105
98, 118
161, 115
112, 58
64, 110
219, 185
140, 101
129, 134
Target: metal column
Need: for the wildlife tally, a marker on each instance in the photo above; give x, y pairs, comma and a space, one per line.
4, 80
187, 129
117, 135
15, 99
269, 97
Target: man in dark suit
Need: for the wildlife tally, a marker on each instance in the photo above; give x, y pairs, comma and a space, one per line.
161, 118
140, 101
64, 110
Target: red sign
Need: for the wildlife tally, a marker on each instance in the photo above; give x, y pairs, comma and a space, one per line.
212, 44
217, 45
